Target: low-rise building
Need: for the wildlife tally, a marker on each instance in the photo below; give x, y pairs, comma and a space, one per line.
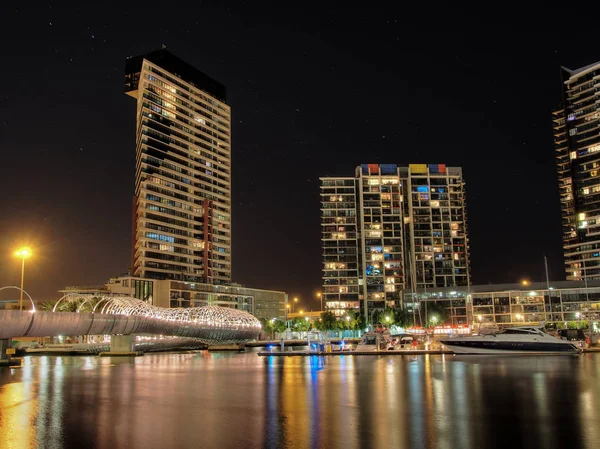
513, 304
261, 303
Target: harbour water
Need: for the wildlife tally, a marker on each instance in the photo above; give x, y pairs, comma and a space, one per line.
230, 400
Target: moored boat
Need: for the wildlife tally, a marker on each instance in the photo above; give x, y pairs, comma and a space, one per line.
514, 340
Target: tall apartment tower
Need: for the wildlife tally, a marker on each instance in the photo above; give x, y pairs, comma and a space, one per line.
390, 230
576, 125
182, 200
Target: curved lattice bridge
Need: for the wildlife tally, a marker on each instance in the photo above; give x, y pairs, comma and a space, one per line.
127, 316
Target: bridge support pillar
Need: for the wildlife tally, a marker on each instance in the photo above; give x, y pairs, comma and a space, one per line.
7, 359
121, 345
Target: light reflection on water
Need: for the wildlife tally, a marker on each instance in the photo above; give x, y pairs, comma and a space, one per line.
202, 399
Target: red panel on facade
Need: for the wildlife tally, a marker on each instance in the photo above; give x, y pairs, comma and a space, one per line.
373, 169
442, 168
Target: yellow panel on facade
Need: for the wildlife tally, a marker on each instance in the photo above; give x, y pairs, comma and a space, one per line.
418, 168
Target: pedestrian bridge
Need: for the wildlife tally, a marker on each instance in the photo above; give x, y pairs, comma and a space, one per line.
128, 316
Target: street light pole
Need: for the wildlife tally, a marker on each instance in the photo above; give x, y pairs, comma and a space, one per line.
23, 253
22, 281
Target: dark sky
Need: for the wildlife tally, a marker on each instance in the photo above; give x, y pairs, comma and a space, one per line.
315, 91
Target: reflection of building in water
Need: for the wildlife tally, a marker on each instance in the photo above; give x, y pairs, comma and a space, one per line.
517, 304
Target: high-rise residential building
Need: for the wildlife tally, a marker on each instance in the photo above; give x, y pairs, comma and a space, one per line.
576, 125
390, 230
182, 200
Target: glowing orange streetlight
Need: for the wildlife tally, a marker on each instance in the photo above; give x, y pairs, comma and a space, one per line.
525, 282
295, 301
23, 253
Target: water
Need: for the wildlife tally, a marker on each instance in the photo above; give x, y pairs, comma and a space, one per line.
229, 400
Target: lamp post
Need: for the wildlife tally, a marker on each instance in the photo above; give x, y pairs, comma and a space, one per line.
295, 301
23, 253
320, 296
578, 316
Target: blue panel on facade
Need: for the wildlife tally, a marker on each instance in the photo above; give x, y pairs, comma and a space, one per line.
365, 169
388, 169
433, 168
422, 188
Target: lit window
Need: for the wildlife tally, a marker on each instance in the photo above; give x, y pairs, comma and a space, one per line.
573, 155
581, 216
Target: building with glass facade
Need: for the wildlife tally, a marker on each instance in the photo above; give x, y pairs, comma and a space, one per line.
167, 293
182, 202
576, 124
391, 229
515, 304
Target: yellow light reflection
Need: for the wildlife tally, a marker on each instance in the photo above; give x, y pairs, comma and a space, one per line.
18, 410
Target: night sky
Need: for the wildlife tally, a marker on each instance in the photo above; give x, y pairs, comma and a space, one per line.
315, 91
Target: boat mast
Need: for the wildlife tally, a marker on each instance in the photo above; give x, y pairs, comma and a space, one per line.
547, 278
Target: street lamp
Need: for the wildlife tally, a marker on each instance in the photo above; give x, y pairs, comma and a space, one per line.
525, 282
295, 301
23, 253
577, 315
320, 296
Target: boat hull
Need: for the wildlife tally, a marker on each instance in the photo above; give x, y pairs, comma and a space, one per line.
489, 347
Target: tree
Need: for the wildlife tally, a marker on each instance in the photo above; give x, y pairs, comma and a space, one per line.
402, 318
329, 321
279, 326
47, 306
319, 325
437, 309
387, 317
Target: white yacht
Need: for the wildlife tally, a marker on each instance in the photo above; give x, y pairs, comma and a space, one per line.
514, 340
370, 341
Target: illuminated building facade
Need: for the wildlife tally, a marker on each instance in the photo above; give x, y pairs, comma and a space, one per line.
166, 293
562, 303
577, 145
390, 229
182, 202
